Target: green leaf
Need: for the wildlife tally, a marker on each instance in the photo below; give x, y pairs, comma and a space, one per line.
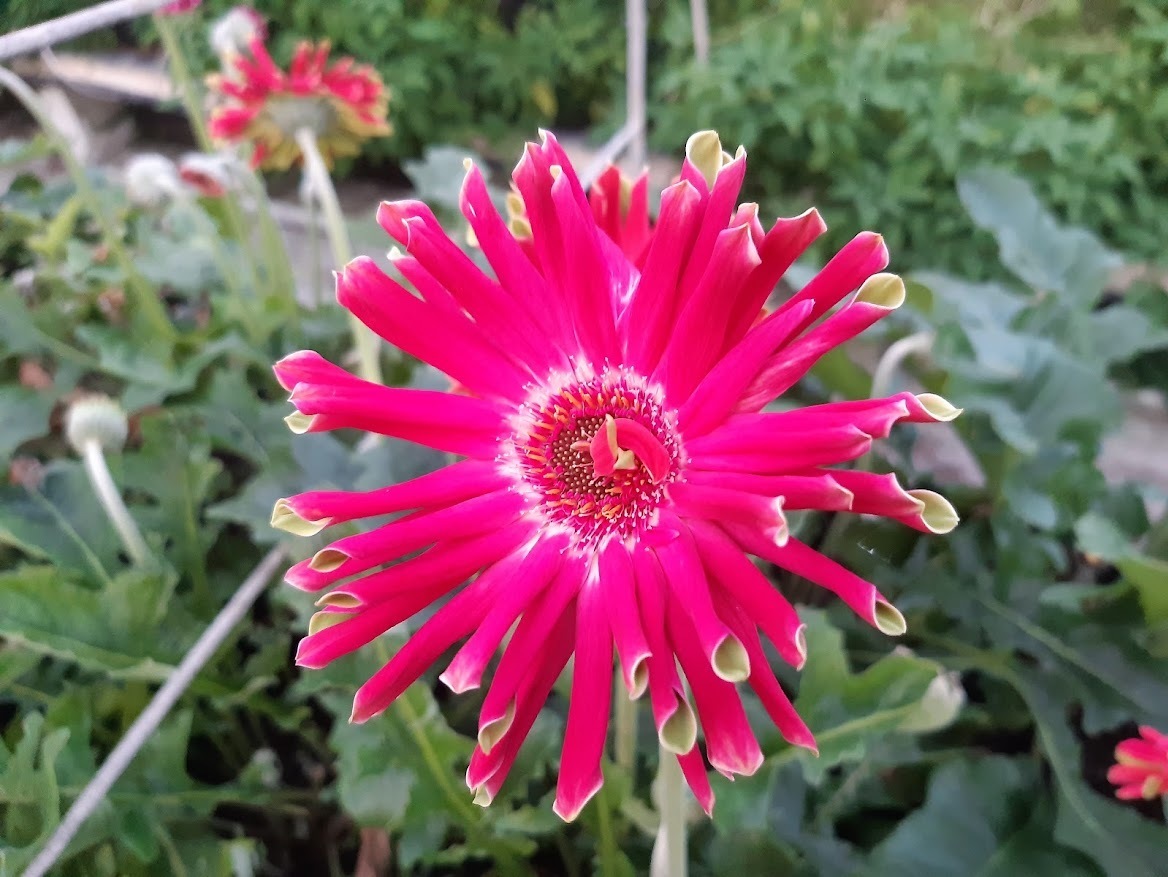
848, 711
26, 416
29, 793
1148, 575
978, 821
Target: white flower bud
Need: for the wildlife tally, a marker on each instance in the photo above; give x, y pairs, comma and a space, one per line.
151, 179
96, 418
230, 34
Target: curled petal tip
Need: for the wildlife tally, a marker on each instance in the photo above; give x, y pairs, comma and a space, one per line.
887, 618
938, 407
284, 517
883, 290
937, 513
730, 661
328, 560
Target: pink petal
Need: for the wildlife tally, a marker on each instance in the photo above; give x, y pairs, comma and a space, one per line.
454, 620
719, 392
648, 320
620, 596
447, 340
526, 583
698, 335
861, 257
444, 487
797, 491
778, 250
730, 744
733, 573
688, 586
693, 768
526, 649
762, 679
588, 708
449, 562
356, 554
645, 446
802, 560
719, 503
726, 450
717, 209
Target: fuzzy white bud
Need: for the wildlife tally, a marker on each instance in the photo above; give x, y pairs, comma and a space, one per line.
96, 418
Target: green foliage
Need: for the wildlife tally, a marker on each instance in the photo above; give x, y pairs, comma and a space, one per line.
871, 115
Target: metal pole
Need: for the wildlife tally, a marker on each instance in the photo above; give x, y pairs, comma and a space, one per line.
636, 47
75, 24
150, 718
700, 18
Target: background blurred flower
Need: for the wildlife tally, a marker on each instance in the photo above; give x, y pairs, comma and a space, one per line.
619, 469
234, 31
1141, 768
180, 7
151, 179
341, 103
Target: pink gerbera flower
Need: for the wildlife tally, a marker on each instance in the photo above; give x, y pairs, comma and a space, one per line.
619, 468
342, 103
1141, 768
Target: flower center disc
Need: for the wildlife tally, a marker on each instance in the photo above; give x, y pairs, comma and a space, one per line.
551, 447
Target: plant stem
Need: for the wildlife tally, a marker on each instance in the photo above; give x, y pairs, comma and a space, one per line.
898, 352
146, 302
366, 343
669, 850
111, 500
180, 72
625, 735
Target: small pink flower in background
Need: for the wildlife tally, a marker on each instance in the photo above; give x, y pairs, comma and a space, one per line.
619, 467
1141, 768
620, 207
179, 7
341, 102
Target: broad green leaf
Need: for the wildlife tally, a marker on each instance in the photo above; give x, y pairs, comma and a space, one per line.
977, 821
29, 793
848, 711
26, 416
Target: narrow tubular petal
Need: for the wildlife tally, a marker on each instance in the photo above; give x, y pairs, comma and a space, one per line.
882, 495
799, 492
488, 770
672, 714
862, 596
693, 768
861, 257
530, 578
356, 554
762, 679
717, 208
648, 319
782, 454
788, 366
778, 250
446, 486
620, 598
588, 709
490, 305
452, 622
738, 578
730, 744
727, 504
719, 392
532, 638
698, 335
447, 563
432, 292
687, 584
510, 264
454, 423
874, 416
448, 341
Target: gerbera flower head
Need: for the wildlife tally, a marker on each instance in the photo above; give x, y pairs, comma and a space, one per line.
619, 467
180, 7
342, 103
1141, 766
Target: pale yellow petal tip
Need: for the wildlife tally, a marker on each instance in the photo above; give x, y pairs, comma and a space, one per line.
938, 407
937, 513
339, 600
883, 290
482, 797
704, 151
730, 661
284, 518
679, 734
299, 423
327, 560
640, 676
888, 619
324, 620
492, 732
801, 645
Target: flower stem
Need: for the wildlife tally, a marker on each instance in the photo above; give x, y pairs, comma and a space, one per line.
111, 501
898, 352
669, 850
180, 72
625, 741
366, 343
